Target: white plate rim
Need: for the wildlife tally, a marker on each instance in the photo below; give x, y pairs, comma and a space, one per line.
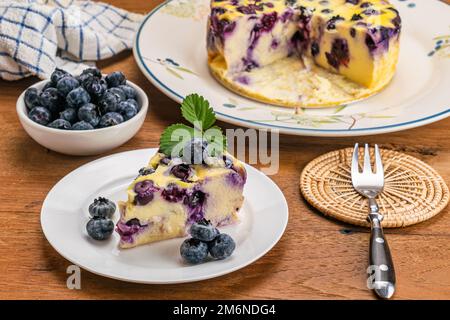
53, 242
171, 93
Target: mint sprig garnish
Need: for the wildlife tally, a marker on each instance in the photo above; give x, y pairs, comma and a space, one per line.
196, 110
174, 135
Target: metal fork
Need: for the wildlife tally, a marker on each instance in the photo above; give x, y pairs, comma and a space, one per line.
370, 184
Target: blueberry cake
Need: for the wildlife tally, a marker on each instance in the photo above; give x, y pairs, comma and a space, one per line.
303, 52
170, 195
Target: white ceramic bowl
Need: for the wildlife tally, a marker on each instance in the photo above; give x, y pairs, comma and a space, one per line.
87, 142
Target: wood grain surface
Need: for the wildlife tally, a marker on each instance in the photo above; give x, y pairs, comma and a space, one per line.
317, 258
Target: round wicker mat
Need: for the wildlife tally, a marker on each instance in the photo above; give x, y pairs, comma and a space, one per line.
413, 191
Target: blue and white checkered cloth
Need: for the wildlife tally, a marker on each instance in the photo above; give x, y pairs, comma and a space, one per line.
38, 35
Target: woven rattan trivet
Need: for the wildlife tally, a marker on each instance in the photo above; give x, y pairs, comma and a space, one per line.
413, 191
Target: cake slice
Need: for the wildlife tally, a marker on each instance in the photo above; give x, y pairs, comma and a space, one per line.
191, 178
169, 195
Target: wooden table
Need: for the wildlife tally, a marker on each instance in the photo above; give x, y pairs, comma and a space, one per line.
317, 258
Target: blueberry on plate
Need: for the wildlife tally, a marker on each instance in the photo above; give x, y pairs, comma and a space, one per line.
222, 246
129, 91
69, 114
82, 125
110, 119
102, 208
57, 75
203, 231
60, 124
40, 115
67, 84
51, 99
119, 93
95, 87
32, 98
115, 79
127, 110
99, 228
108, 102
89, 113
78, 97
194, 251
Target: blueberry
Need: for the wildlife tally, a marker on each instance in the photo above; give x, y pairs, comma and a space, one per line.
181, 171
60, 124
95, 87
108, 102
194, 251
222, 246
172, 193
67, 84
203, 231
32, 98
95, 72
47, 85
144, 190
78, 97
89, 74
135, 103
194, 151
127, 110
165, 161
100, 229
102, 208
228, 162
145, 171
40, 115
51, 99
315, 49
70, 114
57, 75
129, 91
88, 113
110, 119
268, 21
197, 198
119, 93
115, 79
82, 125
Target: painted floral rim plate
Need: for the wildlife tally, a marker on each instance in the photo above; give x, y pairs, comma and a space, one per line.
170, 49
263, 219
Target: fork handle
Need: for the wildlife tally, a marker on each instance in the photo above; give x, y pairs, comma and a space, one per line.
381, 269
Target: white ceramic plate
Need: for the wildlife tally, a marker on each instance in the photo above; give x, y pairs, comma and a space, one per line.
170, 49
64, 215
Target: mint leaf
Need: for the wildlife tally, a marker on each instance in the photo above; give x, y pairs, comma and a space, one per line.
217, 141
197, 111
174, 138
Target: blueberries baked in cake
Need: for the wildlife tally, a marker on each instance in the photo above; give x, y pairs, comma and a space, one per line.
182, 188
85, 102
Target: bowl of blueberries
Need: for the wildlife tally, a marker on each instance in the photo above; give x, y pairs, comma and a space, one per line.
82, 115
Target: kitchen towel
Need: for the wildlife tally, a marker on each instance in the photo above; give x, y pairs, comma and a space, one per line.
38, 35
